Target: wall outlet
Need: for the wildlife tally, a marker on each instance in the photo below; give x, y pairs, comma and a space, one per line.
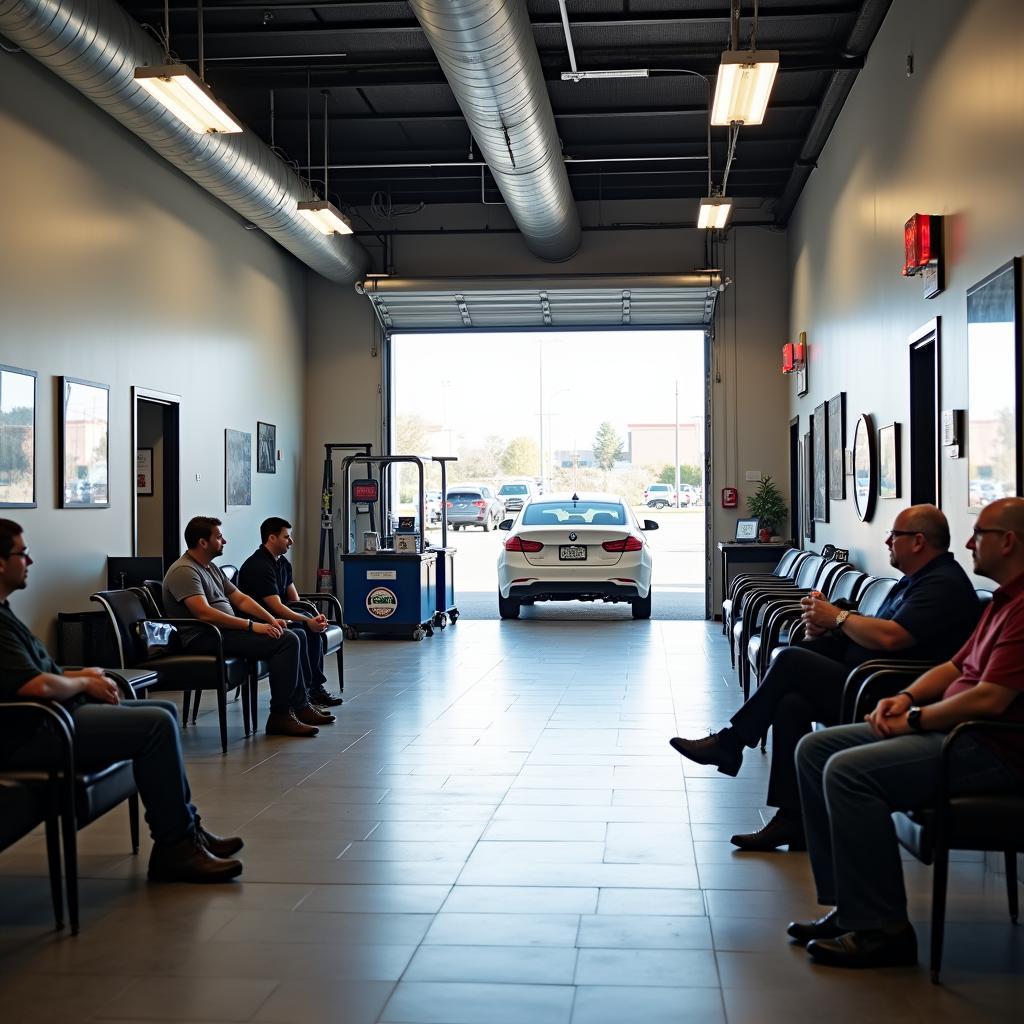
753, 475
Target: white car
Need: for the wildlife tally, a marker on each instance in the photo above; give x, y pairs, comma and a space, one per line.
659, 495
570, 547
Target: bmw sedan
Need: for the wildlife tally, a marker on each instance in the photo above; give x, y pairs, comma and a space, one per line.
575, 548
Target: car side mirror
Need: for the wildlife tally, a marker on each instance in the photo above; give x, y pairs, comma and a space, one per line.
506, 524
650, 524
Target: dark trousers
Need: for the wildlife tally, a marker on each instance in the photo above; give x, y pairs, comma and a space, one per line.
144, 732
282, 658
311, 657
850, 783
802, 687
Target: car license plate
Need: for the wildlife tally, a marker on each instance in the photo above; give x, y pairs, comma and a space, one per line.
572, 553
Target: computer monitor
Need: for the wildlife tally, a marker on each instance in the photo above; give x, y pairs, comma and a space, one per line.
133, 572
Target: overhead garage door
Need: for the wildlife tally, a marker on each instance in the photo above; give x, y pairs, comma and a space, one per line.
428, 304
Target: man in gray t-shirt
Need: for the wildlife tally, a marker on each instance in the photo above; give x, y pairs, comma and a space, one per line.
195, 588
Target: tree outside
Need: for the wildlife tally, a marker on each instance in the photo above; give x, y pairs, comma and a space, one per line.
608, 447
687, 475
521, 457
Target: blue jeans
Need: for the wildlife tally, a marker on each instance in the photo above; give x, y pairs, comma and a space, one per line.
311, 657
850, 783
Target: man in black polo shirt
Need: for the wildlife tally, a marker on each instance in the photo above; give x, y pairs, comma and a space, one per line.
267, 575
927, 616
144, 731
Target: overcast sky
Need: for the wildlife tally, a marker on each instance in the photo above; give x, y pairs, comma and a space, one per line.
480, 384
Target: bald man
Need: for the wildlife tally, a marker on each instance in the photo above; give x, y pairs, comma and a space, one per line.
927, 616
853, 777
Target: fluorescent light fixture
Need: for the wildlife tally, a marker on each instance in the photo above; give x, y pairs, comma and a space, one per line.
578, 76
325, 217
743, 86
187, 97
714, 212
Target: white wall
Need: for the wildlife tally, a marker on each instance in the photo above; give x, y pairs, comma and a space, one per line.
947, 140
116, 268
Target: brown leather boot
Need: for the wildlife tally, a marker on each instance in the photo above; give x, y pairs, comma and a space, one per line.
190, 861
219, 846
284, 723
312, 715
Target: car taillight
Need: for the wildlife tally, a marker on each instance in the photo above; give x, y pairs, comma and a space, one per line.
448, 504
480, 504
626, 544
518, 544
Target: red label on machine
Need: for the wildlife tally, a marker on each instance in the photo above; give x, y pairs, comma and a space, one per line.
365, 490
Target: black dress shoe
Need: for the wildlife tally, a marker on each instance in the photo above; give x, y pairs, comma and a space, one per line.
190, 861
874, 948
824, 928
725, 756
323, 698
782, 830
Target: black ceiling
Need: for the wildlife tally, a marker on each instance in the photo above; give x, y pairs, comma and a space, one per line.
388, 102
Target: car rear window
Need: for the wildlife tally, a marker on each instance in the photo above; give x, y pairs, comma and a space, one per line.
463, 495
574, 513
514, 489
658, 487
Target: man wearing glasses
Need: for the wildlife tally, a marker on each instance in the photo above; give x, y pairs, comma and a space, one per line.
144, 731
927, 615
853, 777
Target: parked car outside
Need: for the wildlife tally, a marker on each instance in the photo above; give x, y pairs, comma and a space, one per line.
515, 495
567, 547
659, 495
433, 502
474, 505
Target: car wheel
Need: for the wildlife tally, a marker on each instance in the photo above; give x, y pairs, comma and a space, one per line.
508, 607
642, 606
661, 504
487, 524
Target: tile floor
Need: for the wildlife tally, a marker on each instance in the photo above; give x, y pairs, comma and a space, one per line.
495, 832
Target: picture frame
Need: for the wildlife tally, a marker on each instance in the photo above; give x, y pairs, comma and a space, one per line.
889, 475
746, 530
144, 472
994, 386
865, 468
17, 437
821, 460
836, 445
807, 485
266, 447
237, 468
84, 443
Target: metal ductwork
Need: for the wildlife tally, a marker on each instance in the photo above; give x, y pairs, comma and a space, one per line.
95, 46
487, 52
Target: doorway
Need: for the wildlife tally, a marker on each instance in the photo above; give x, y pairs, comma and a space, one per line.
925, 469
156, 507
794, 482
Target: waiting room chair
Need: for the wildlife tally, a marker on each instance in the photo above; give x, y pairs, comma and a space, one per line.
785, 568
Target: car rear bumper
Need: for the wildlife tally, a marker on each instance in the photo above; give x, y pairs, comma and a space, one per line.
576, 590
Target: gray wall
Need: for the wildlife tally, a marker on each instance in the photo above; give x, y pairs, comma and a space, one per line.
115, 268
947, 140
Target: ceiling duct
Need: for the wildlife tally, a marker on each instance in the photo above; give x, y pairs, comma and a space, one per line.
95, 47
487, 52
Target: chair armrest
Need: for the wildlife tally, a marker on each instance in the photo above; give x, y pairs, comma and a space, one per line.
331, 602
41, 712
858, 677
303, 606
973, 727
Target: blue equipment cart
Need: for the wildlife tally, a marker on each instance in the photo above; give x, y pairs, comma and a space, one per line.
389, 594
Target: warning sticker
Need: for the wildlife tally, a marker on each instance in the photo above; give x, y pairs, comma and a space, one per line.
381, 603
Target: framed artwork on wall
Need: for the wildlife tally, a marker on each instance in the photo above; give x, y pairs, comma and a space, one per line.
17, 438
994, 386
821, 457
889, 461
807, 485
836, 444
237, 468
266, 448
144, 472
84, 443
865, 469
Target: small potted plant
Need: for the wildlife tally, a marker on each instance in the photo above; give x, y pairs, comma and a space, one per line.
767, 505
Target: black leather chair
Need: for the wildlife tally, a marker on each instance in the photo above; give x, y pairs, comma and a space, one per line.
183, 669
78, 795
785, 568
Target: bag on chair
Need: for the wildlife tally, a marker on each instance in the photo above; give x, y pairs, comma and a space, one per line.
156, 639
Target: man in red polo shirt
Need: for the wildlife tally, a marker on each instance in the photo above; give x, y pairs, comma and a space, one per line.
853, 777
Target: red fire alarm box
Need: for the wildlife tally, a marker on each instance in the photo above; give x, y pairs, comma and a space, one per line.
730, 497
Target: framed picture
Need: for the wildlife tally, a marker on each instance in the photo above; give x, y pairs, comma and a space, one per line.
821, 456
84, 443
994, 386
889, 461
807, 485
746, 530
237, 468
836, 444
865, 469
17, 438
144, 472
266, 448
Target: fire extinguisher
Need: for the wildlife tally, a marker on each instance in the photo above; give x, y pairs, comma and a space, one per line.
730, 497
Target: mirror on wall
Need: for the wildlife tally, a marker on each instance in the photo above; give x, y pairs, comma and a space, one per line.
865, 468
993, 369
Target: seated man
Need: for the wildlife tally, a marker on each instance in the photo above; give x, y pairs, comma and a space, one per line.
927, 616
853, 777
196, 588
144, 731
267, 575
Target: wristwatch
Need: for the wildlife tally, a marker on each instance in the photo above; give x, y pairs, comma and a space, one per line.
841, 618
914, 719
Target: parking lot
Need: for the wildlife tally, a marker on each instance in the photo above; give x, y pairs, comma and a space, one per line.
678, 580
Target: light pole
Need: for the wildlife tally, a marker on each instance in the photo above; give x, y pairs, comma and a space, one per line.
540, 378
677, 443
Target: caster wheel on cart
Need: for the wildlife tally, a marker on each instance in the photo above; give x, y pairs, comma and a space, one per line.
418, 634
351, 633
440, 620
454, 617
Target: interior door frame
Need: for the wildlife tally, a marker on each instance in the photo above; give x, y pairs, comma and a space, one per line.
172, 461
929, 333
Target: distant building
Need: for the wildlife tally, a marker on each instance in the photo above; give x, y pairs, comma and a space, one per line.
566, 458
654, 444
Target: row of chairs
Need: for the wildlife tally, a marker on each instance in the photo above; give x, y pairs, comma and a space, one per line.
761, 615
